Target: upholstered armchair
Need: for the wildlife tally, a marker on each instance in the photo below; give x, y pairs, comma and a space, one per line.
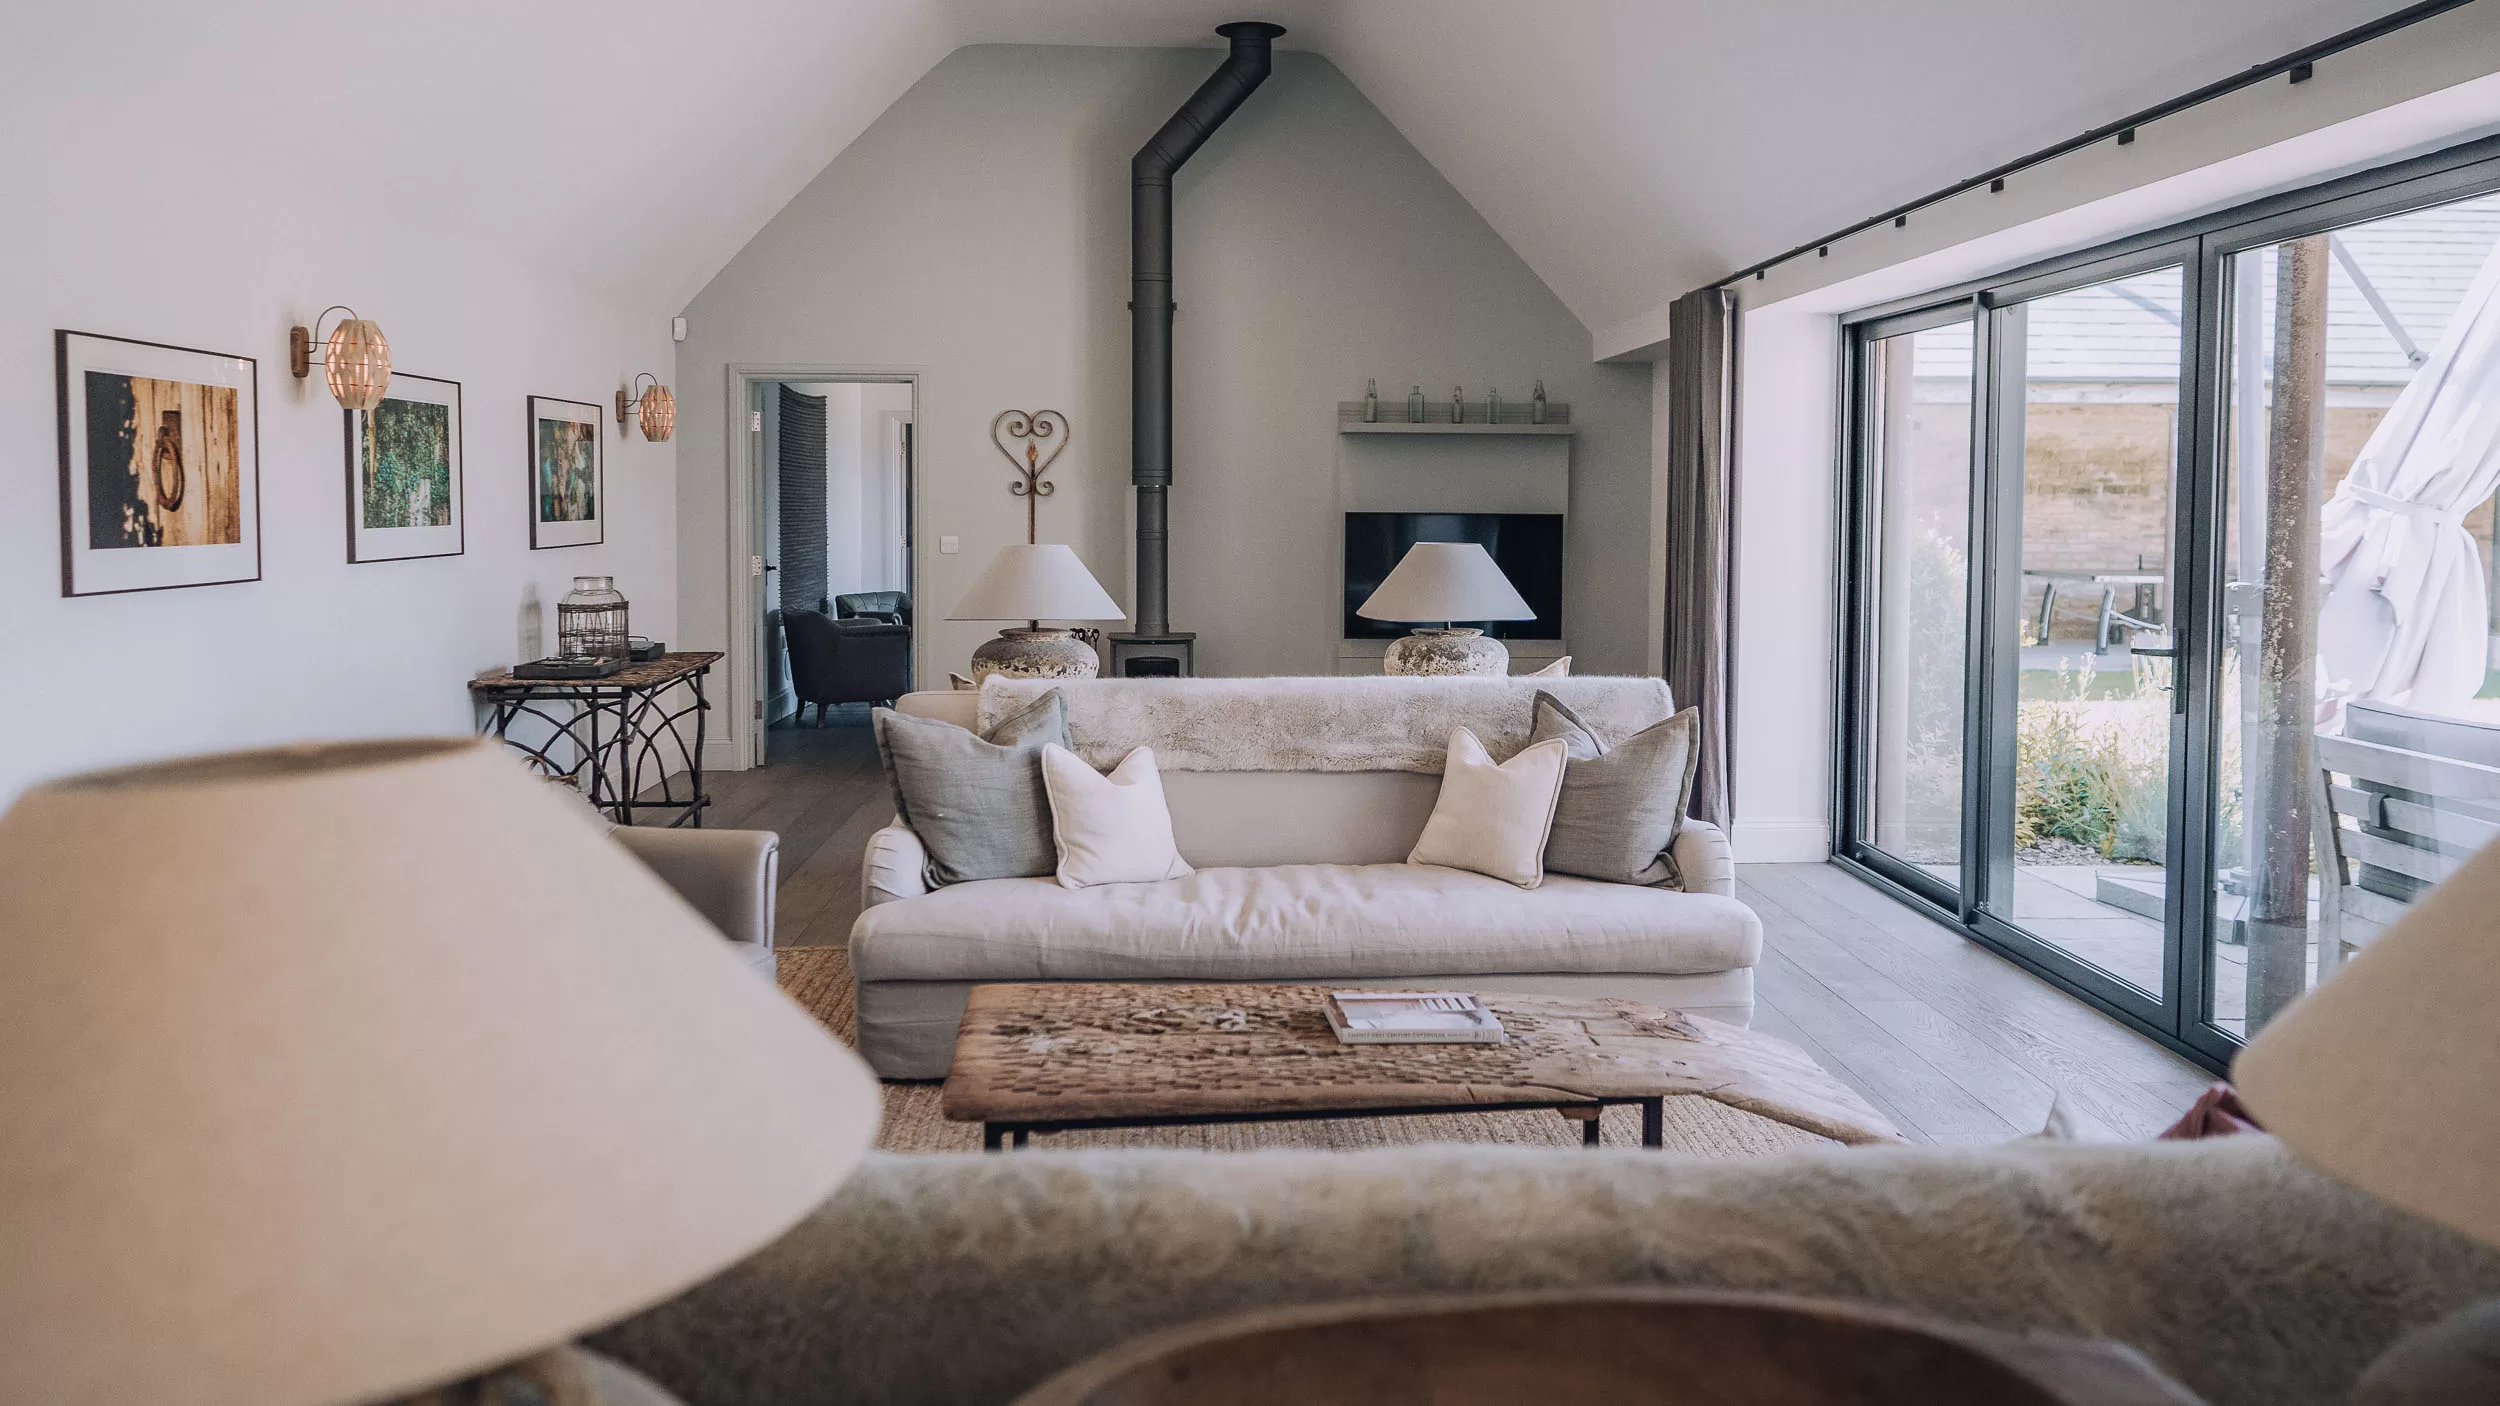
727, 875
893, 607
858, 660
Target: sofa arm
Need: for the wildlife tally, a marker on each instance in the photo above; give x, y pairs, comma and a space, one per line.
1703, 857
727, 875
896, 866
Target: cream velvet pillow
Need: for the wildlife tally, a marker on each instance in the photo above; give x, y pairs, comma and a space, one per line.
1493, 819
1112, 829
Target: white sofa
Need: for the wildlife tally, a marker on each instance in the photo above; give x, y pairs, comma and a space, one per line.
1301, 877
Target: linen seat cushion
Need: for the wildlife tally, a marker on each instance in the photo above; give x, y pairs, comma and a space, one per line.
1620, 805
1308, 922
976, 801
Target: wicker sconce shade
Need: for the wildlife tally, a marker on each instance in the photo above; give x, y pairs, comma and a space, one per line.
358, 363
659, 414
355, 360
656, 408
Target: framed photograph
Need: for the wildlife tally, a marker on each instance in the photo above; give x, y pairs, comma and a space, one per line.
160, 466
566, 490
403, 473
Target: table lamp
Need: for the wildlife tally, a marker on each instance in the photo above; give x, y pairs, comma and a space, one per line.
1446, 581
2384, 1076
1034, 582
340, 1073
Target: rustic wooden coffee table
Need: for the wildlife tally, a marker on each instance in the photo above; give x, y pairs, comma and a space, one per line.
1047, 1057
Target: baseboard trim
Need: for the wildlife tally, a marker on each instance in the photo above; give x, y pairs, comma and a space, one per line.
1799, 841
724, 754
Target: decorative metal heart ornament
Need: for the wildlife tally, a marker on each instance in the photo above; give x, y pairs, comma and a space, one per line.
1032, 440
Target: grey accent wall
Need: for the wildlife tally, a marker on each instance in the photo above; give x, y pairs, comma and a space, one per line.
979, 233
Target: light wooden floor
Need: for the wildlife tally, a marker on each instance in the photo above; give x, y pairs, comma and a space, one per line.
1956, 1044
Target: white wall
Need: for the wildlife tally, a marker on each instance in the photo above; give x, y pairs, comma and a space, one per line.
190, 248
978, 232
1779, 763
863, 485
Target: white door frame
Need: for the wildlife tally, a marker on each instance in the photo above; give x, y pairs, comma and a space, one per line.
745, 536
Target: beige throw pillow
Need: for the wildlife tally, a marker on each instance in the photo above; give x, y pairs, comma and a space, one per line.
1112, 829
1493, 819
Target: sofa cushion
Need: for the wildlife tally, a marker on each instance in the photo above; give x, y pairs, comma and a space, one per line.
975, 801
1493, 819
1110, 829
1314, 922
1621, 804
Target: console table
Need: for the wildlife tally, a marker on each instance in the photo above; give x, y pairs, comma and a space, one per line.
616, 739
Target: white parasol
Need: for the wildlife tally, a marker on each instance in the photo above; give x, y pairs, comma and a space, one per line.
2405, 617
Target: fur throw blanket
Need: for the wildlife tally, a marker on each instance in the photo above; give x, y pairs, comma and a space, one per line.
2242, 1271
1376, 723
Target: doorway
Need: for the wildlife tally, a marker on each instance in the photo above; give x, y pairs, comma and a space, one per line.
831, 586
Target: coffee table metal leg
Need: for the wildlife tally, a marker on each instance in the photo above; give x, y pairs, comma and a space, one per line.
1023, 1136
990, 1135
1653, 1122
1592, 1131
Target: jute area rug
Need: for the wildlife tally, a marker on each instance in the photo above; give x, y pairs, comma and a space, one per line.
819, 978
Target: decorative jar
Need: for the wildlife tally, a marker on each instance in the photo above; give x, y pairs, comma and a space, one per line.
590, 620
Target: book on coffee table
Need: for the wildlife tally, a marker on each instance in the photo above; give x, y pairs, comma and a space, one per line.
1411, 1018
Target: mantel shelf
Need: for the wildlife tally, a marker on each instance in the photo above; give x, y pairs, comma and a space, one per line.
1514, 419
1401, 427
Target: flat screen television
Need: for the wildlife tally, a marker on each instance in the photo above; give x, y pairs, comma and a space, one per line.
1527, 546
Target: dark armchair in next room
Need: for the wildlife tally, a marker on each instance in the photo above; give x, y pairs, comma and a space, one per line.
894, 606
846, 661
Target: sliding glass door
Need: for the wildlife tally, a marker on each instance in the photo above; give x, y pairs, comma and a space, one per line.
2078, 704
2169, 593
1917, 432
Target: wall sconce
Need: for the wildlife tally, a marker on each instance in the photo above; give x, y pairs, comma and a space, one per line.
658, 408
356, 359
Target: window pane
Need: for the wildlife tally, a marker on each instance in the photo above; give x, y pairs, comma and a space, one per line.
2357, 554
1918, 474
2097, 443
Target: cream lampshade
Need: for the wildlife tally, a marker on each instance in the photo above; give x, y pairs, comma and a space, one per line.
2384, 1076
329, 1074
1446, 581
1036, 582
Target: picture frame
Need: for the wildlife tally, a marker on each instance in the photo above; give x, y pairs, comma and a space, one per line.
406, 490
567, 483
160, 465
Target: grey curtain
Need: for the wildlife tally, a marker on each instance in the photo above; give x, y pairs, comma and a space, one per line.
802, 564
1701, 398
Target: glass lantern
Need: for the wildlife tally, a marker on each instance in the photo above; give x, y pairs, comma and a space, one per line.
590, 620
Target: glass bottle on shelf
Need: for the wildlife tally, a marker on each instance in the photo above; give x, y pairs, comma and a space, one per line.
1415, 406
1536, 404
1458, 406
1492, 405
1371, 402
591, 620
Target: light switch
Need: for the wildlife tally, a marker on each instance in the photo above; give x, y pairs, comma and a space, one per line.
948, 546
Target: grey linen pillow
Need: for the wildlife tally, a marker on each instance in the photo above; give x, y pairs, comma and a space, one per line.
975, 799
1620, 806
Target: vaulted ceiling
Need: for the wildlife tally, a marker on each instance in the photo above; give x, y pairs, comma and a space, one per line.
1628, 149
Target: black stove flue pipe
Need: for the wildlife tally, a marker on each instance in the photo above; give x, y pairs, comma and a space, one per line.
1150, 302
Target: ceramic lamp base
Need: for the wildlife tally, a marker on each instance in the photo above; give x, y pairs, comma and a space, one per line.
1043, 653
1446, 652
